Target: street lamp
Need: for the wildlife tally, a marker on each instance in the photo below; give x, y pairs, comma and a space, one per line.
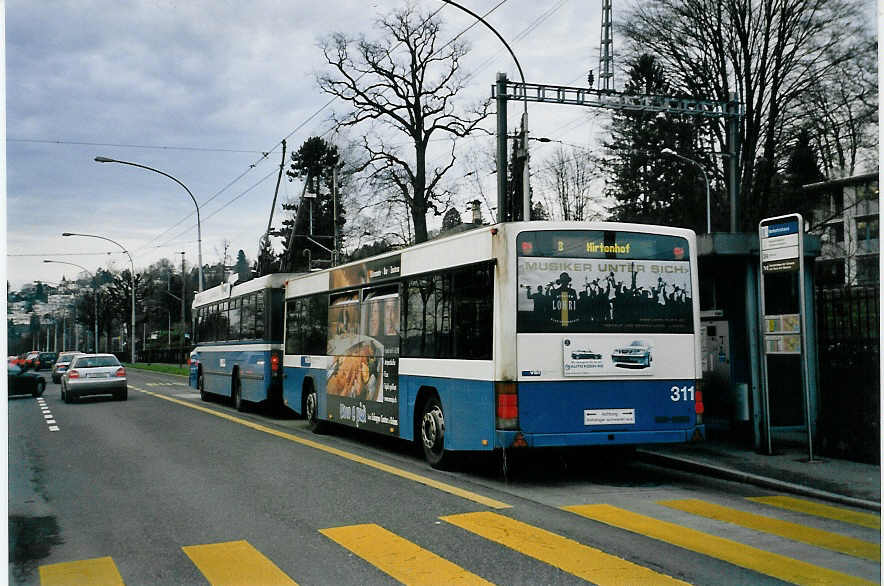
94, 293
199, 235
501, 131
668, 151
131, 282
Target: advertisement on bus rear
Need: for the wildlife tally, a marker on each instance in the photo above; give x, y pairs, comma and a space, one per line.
363, 377
599, 295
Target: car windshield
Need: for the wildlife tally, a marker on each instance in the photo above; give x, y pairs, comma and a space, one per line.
97, 361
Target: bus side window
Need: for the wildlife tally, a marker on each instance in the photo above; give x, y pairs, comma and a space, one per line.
233, 316
247, 318
293, 335
259, 316
317, 323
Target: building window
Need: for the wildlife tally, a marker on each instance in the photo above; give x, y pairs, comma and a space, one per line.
836, 233
867, 269
837, 202
867, 233
829, 273
867, 191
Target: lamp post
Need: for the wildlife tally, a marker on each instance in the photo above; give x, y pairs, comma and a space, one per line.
131, 283
501, 130
668, 151
199, 235
94, 293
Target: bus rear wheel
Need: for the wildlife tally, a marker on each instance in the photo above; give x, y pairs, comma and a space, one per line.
201, 385
311, 410
237, 395
433, 434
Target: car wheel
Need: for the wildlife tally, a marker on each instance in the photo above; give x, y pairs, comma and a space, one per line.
432, 434
64, 394
41, 386
122, 395
238, 403
311, 410
201, 385
55, 379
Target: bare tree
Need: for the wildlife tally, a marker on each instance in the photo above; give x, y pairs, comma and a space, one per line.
403, 82
843, 113
771, 53
567, 180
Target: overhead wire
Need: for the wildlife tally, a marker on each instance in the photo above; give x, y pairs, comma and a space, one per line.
132, 146
265, 154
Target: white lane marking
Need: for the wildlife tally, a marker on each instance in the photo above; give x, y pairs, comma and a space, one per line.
187, 395
47, 415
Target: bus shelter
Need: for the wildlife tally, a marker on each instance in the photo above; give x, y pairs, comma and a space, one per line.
733, 376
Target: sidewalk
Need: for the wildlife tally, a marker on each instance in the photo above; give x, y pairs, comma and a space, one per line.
840, 481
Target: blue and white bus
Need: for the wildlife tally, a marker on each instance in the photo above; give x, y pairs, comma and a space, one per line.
238, 336
524, 334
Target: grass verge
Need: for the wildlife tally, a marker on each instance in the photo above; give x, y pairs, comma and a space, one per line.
166, 368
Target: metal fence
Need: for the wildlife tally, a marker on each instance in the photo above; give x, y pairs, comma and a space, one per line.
848, 344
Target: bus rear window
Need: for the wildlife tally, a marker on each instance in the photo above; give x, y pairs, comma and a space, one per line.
603, 281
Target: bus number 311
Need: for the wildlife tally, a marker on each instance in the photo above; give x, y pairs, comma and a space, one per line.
681, 393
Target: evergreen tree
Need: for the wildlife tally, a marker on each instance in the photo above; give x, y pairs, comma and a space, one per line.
451, 219
313, 215
242, 267
650, 186
802, 168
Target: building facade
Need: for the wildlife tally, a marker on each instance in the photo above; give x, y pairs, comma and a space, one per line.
846, 220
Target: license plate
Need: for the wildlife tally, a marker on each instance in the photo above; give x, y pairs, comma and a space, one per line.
609, 417
97, 375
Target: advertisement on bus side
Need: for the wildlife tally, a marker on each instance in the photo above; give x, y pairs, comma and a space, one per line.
363, 377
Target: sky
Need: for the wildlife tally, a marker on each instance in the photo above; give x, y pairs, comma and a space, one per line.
200, 90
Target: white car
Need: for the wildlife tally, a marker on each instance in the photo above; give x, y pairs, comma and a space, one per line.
636, 355
94, 374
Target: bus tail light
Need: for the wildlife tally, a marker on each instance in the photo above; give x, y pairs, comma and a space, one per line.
507, 405
698, 405
275, 363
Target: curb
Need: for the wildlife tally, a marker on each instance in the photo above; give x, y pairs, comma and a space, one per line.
689, 465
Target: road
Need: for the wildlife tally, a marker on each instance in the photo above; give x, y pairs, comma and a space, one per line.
167, 489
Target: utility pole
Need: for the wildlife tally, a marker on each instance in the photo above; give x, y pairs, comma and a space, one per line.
183, 297
606, 50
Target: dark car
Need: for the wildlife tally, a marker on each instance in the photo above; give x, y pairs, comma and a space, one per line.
61, 365
47, 359
23, 382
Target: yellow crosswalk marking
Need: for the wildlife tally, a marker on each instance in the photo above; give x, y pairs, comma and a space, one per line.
745, 556
86, 572
236, 563
398, 557
820, 510
793, 531
566, 554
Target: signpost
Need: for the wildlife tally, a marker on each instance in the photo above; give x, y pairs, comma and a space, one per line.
784, 316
